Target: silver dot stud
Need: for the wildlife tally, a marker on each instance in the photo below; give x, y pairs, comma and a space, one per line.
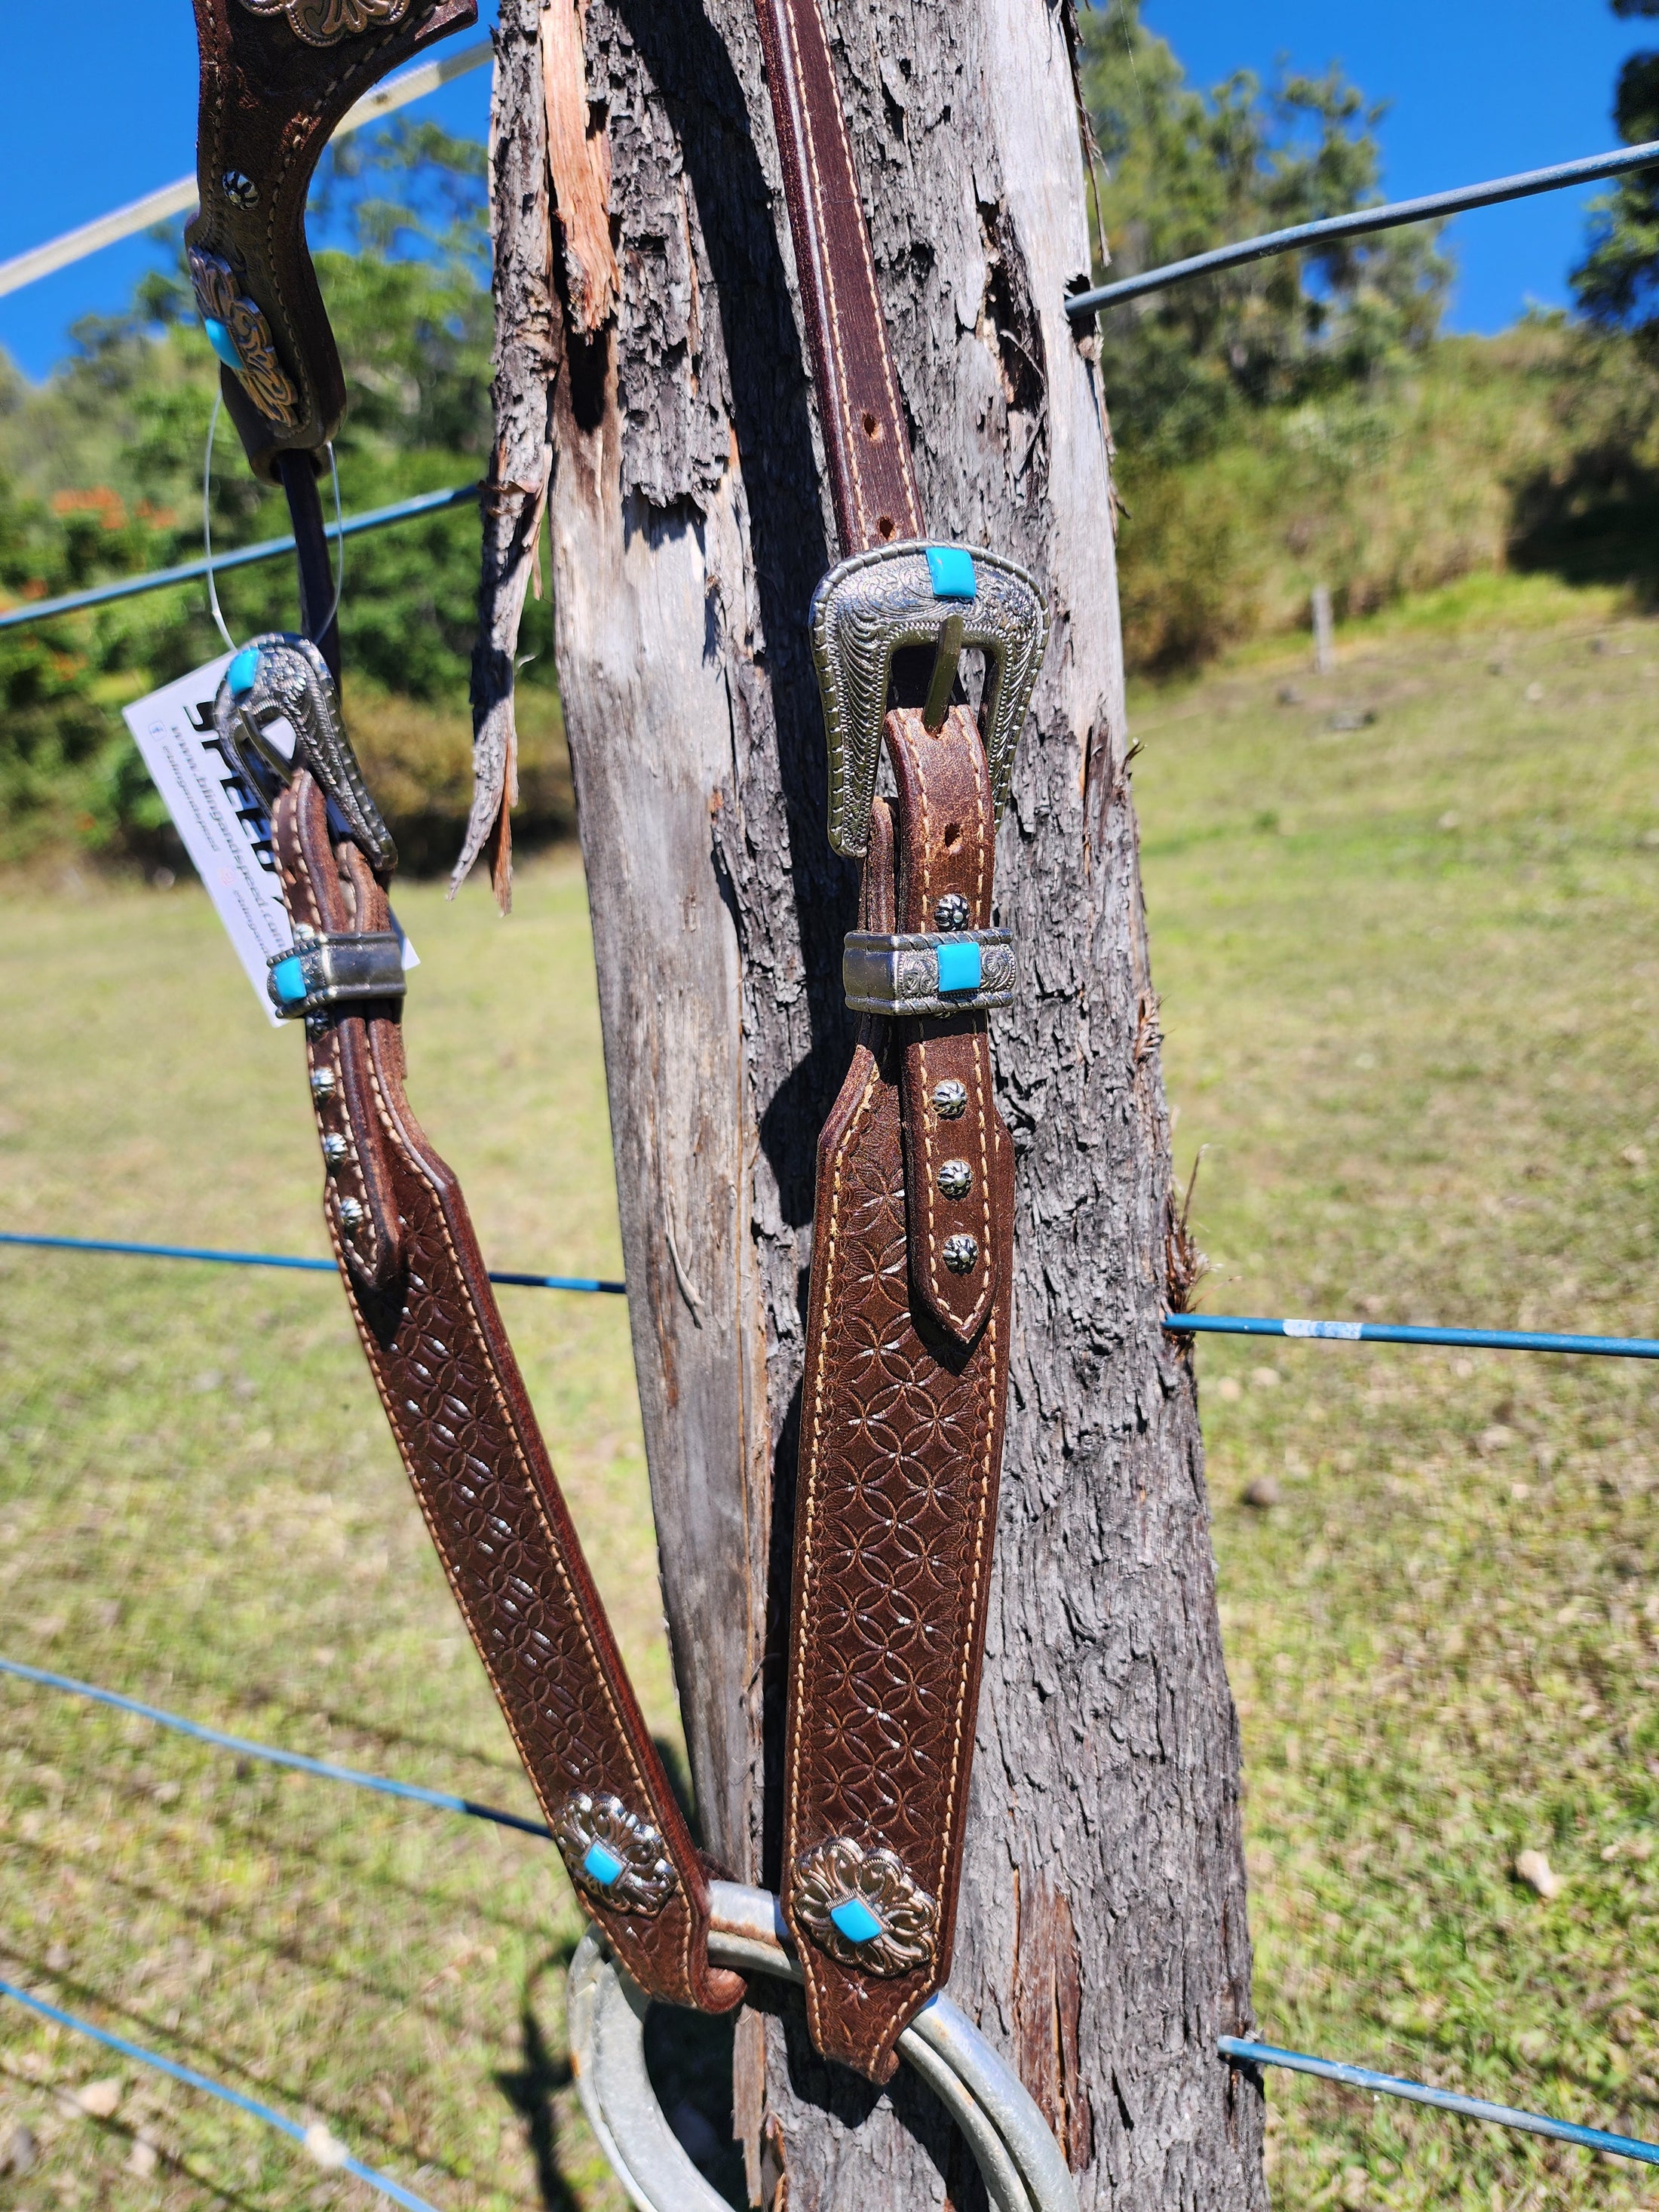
324, 1083
960, 1254
352, 1216
239, 189
951, 912
950, 1099
335, 1148
955, 1178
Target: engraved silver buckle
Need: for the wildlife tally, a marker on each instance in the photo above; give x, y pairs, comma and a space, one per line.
280, 683
866, 610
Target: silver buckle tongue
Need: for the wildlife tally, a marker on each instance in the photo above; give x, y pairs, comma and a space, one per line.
917, 594
276, 698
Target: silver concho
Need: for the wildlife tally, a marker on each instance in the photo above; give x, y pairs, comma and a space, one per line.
325, 22
863, 1908
612, 1856
292, 691
869, 607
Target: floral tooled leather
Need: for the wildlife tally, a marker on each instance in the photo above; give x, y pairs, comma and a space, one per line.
901, 1439
452, 1393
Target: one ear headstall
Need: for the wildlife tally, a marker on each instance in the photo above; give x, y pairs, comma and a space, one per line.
277, 75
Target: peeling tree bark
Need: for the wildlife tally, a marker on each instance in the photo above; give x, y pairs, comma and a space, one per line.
1103, 1939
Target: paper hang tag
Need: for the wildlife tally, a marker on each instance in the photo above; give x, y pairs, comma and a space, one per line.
221, 820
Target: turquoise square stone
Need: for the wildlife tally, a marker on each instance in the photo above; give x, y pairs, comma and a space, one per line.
223, 344
960, 966
288, 980
855, 1921
951, 568
601, 1865
242, 670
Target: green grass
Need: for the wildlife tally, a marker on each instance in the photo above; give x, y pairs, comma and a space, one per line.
200, 1504
1410, 981
1410, 977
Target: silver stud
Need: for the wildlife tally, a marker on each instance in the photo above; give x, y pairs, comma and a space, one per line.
951, 1099
335, 1148
951, 912
960, 1254
955, 1178
324, 1083
352, 1216
239, 189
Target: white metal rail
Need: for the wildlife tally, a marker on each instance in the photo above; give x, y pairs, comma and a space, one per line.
175, 198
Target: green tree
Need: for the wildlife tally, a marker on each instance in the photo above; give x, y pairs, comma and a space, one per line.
1181, 171
1617, 283
100, 476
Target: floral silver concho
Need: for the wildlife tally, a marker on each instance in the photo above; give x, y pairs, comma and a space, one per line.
646, 1880
216, 295
842, 1872
325, 22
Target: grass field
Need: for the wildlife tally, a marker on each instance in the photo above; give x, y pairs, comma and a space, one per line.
1404, 927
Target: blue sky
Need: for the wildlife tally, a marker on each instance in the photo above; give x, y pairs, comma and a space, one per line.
1476, 87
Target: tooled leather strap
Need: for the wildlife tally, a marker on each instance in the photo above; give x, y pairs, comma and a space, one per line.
901, 1441
277, 75
871, 477
907, 1365
427, 1316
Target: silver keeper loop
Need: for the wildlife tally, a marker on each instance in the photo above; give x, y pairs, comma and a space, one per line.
936, 972
341, 970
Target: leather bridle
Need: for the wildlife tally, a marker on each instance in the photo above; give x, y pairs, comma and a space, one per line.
909, 1320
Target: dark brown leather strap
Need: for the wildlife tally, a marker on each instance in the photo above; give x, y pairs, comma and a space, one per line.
906, 1368
901, 1442
871, 478
445, 1371
277, 75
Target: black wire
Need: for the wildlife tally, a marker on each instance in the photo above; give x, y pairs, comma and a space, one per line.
317, 595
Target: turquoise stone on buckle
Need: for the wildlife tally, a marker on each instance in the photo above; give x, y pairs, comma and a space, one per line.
950, 570
961, 964
855, 1921
219, 338
603, 1865
288, 982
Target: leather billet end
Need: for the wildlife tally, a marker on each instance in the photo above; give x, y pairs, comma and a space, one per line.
896, 1508
277, 77
958, 1156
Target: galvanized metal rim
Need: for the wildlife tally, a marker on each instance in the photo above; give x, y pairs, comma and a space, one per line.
1023, 2166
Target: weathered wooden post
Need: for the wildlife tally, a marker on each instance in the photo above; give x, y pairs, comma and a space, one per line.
653, 399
